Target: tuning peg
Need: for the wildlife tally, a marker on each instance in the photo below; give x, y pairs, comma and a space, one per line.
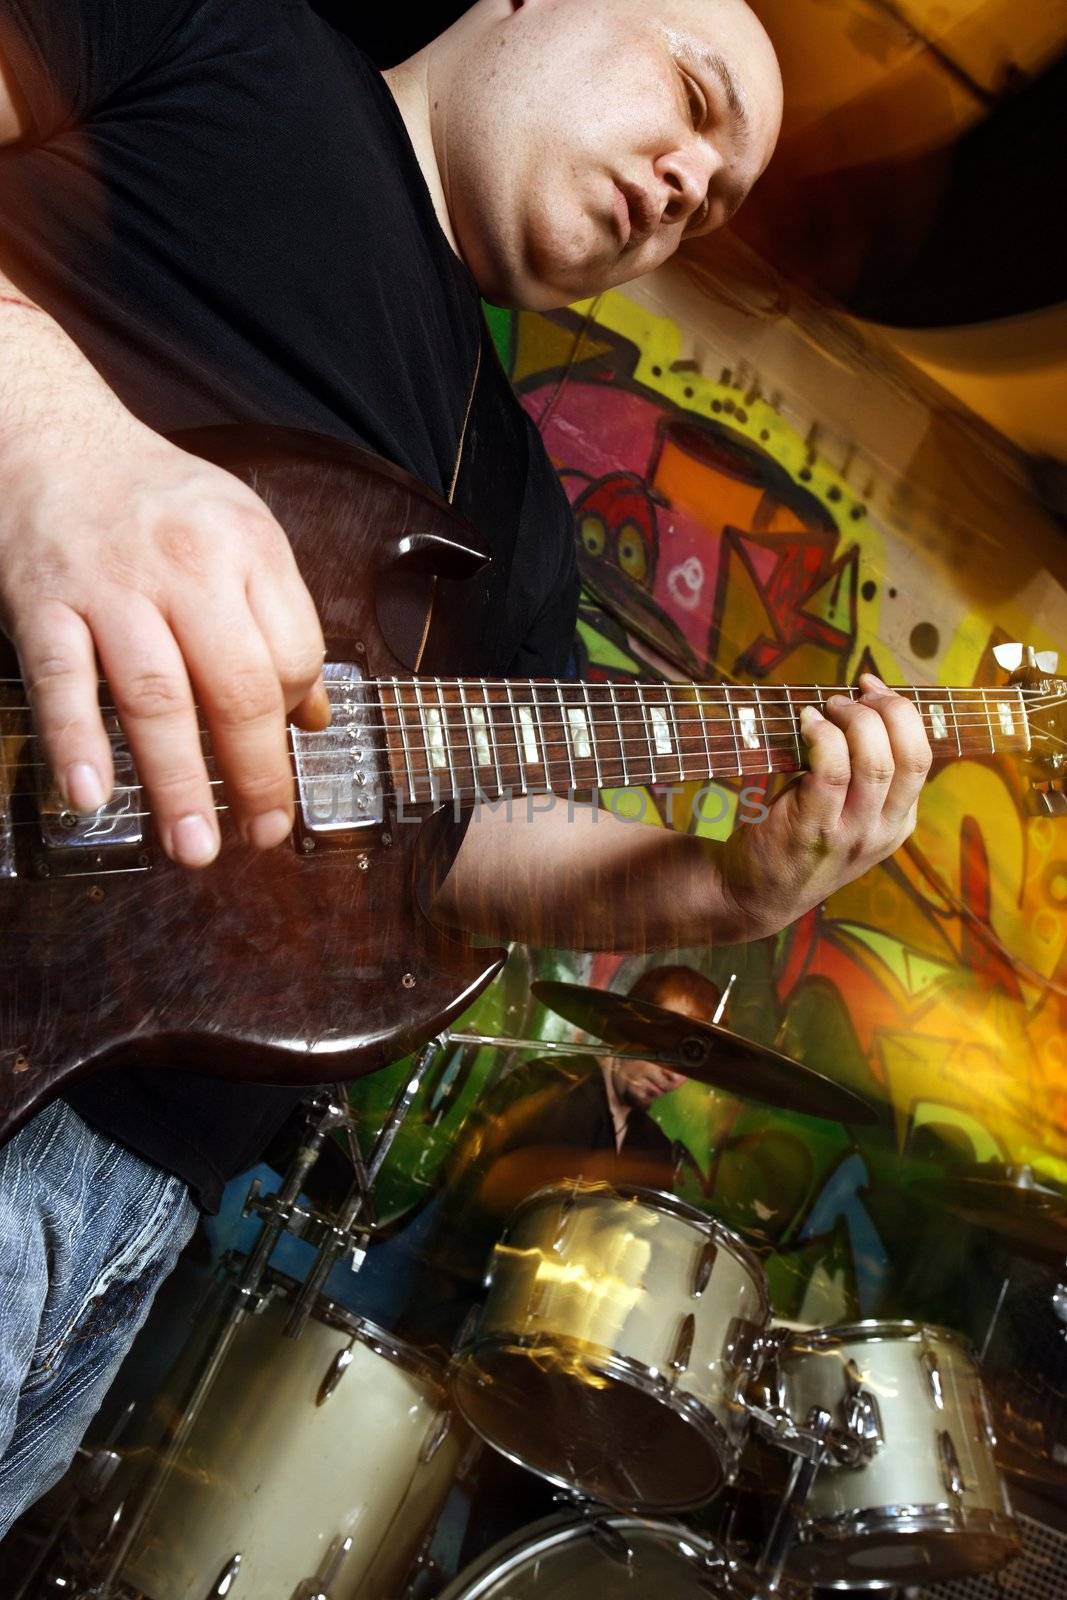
1009, 657
1014, 657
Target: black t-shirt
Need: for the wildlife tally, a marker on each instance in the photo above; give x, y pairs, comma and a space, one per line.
218, 200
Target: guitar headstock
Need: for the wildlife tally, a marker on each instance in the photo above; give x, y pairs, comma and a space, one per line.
1046, 708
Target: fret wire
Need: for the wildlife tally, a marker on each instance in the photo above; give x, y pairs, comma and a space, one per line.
677, 736
955, 723
763, 720
796, 726
466, 715
566, 735
431, 780
492, 735
592, 735
699, 703
731, 711
518, 741
618, 730
648, 732
447, 734
540, 729
404, 737
989, 719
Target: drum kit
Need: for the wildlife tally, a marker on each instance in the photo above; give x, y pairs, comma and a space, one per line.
624, 1352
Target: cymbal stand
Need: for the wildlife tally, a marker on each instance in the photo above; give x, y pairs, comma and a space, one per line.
348, 1230
551, 1047
278, 1212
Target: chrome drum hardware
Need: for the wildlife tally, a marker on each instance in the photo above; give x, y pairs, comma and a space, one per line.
922, 1499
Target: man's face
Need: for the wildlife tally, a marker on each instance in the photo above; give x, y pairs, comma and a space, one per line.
583, 140
642, 1083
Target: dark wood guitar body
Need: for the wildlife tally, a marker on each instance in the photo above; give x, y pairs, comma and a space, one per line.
307, 964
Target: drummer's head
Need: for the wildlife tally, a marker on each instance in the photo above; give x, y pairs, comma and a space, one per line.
675, 988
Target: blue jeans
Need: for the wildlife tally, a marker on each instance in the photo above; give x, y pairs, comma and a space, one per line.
88, 1232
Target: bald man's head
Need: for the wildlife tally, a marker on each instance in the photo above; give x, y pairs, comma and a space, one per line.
580, 141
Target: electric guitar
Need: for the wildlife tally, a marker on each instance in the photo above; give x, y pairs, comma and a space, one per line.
315, 961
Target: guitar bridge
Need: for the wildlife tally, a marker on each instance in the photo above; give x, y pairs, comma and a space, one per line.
338, 771
111, 839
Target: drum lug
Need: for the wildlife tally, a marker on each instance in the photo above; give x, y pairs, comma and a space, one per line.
928, 1360
335, 1372
439, 1431
705, 1266
983, 1418
951, 1472
863, 1419
683, 1346
318, 1587
225, 1581
601, 1531
745, 1349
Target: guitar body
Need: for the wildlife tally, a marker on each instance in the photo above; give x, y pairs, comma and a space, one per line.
309, 963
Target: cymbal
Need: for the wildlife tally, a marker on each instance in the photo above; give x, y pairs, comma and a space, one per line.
705, 1051
1011, 1202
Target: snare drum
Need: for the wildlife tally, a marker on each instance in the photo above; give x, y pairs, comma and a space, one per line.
609, 1558
928, 1503
620, 1330
303, 1445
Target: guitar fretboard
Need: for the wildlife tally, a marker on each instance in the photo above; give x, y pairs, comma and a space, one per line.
470, 738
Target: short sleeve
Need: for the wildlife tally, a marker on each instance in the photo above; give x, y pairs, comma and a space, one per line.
69, 57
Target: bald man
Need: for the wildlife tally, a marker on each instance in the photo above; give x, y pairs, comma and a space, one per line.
217, 211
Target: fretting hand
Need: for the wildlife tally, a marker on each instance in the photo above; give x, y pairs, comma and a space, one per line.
857, 804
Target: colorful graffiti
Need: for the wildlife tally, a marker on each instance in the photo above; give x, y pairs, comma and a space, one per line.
718, 538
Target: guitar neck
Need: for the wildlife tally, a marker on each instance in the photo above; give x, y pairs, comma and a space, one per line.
470, 738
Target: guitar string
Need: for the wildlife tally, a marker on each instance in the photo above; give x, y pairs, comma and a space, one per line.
699, 728
692, 730
461, 790
690, 727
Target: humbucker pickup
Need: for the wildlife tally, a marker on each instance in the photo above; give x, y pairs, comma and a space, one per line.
338, 771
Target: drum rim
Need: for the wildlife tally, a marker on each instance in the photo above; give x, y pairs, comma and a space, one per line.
610, 1365
377, 1339
873, 1330
537, 1539
656, 1200
823, 1533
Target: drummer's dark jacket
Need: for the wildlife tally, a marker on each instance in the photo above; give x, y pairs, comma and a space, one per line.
556, 1113
219, 202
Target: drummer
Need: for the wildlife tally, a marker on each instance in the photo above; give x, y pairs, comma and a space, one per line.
550, 1120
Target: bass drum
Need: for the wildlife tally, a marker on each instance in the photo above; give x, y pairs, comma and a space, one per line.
929, 1503
619, 1334
597, 1558
320, 1461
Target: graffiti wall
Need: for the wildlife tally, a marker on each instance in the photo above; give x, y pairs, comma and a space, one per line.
761, 495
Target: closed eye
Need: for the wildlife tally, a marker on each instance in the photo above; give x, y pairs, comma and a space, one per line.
698, 105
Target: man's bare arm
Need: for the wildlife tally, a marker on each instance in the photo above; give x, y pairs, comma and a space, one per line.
586, 880
123, 555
